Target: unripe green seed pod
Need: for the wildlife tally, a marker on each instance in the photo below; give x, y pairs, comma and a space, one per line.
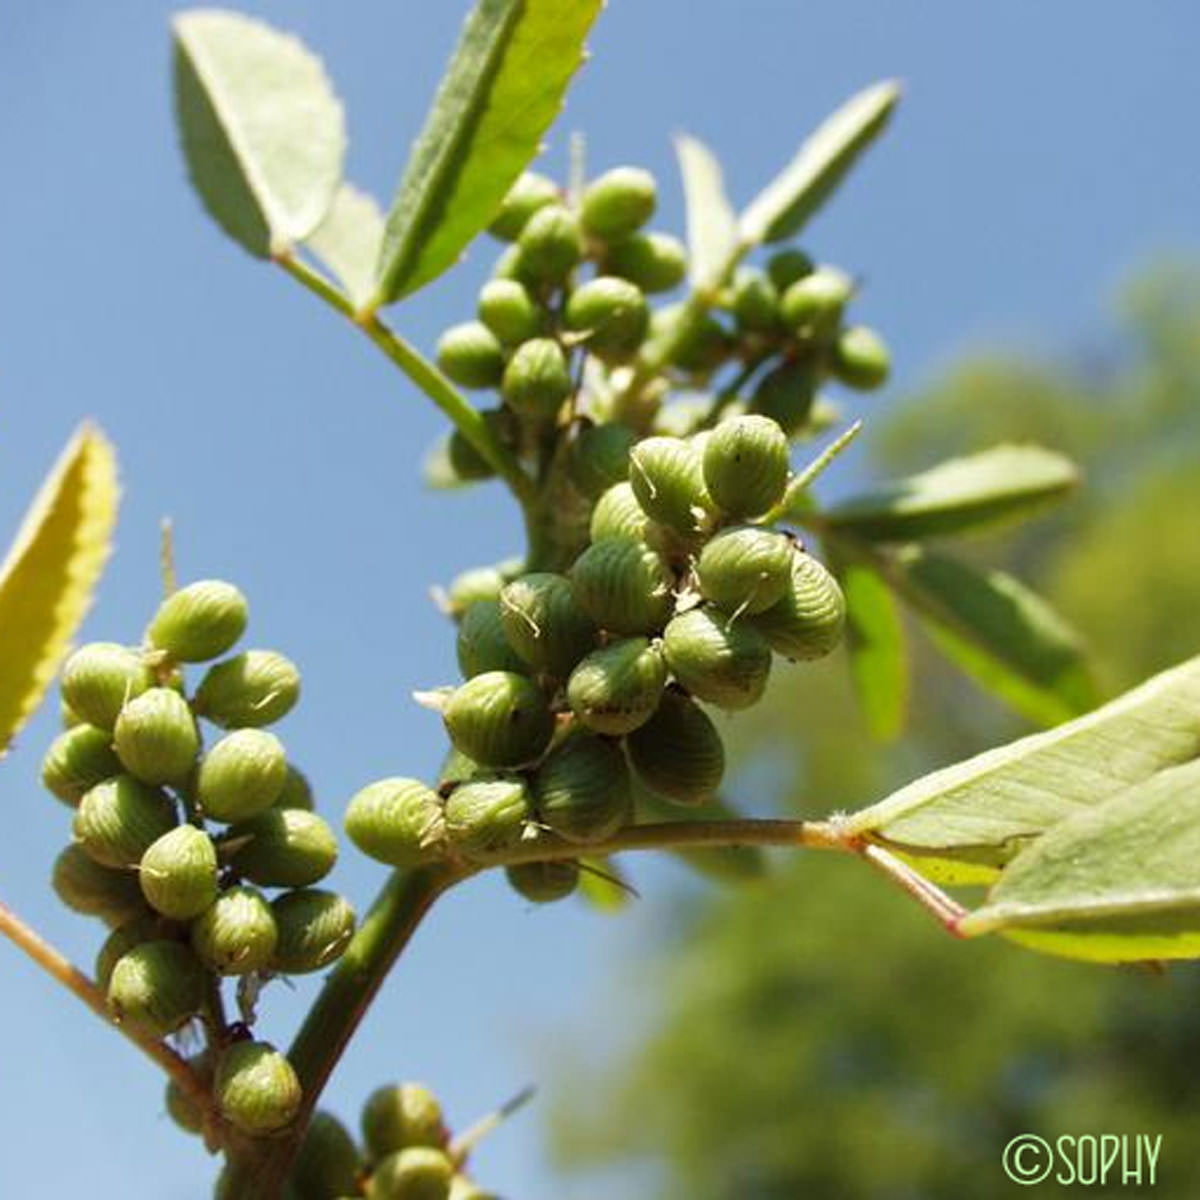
418, 1173
746, 465
256, 1088
531, 192
200, 621
481, 644
178, 873
544, 623
479, 583
86, 887
100, 678
599, 458
242, 775
745, 570
400, 1116
617, 688
250, 690
457, 768
723, 662
812, 306
808, 622
397, 821
487, 814
656, 262
468, 465
510, 312
551, 244
145, 927
703, 348
157, 986
328, 1163
283, 847
582, 790
784, 267
667, 476
314, 927
623, 586
156, 737
618, 515
678, 752
786, 394
471, 355
296, 792
537, 379
236, 934
544, 882
755, 301
618, 202
117, 820
68, 718
499, 719
860, 358
77, 760
182, 1109
613, 313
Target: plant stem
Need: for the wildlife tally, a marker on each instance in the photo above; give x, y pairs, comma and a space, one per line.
945, 909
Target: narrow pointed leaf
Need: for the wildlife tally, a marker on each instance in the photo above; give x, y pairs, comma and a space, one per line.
48, 576
984, 810
711, 223
963, 495
261, 128
503, 88
602, 885
1117, 883
823, 161
348, 242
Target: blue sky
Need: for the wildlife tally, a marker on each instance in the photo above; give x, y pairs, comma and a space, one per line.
1042, 151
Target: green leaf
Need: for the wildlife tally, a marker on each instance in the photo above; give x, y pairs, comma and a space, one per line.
348, 241
1006, 637
261, 128
999, 485
50, 572
602, 884
1117, 883
503, 88
823, 161
985, 810
711, 223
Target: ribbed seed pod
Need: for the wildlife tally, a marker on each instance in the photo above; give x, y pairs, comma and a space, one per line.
418, 1173
808, 622
746, 465
623, 586
582, 791
613, 314
785, 266
77, 760
786, 394
599, 458
551, 244
256, 1088
283, 847
314, 928
457, 768
720, 661
86, 887
544, 882
745, 569
812, 306
499, 719
485, 815
145, 927
860, 358
250, 690
537, 379
478, 583
200, 621
242, 775
755, 301
531, 192
544, 623
117, 820
399, 1116
618, 203
617, 688
68, 718
296, 792
481, 643
667, 476
158, 986
181, 1108
156, 737
236, 934
655, 262
468, 465
329, 1162
510, 312
178, 873
471, 355
618, 515
99, 678
397, 821
678, 752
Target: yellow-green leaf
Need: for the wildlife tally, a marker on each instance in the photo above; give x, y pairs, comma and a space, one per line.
711, 223
48, 576
602, 884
